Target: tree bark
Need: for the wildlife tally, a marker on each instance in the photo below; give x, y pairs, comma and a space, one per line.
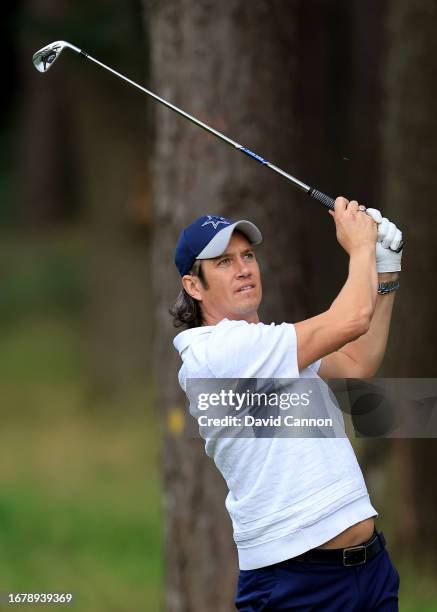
410, 182
233, 65
368, 52
113, 171
323, 96
368, 45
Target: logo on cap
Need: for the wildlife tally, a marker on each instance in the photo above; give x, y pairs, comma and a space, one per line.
215, 221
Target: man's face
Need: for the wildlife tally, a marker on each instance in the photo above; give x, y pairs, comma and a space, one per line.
233, 282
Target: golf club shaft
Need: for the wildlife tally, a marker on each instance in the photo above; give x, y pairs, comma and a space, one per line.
311, 191
45, 57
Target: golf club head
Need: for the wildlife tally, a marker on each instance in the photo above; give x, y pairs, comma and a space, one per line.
46, 57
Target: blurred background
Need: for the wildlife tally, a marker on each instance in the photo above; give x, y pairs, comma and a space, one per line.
97, 484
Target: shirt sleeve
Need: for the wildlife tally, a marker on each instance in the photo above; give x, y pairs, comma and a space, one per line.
237, 349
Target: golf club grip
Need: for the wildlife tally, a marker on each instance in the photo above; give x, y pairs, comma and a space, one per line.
322, 197
329, 202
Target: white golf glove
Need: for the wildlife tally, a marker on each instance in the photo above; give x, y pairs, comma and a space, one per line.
389, 239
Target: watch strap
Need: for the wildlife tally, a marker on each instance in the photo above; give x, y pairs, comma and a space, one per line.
388, 286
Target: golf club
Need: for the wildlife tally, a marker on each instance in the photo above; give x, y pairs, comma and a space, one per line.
46, 57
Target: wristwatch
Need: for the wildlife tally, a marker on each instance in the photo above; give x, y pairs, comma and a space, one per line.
388, 287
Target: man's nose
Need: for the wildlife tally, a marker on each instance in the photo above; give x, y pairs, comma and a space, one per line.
243, 269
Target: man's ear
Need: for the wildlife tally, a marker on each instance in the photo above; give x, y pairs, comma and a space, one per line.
191, 284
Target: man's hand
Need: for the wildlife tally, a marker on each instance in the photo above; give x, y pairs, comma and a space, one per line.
354, 230
389, 239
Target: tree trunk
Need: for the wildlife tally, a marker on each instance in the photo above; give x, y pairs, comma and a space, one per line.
233, 65
410, 151
45, 148
368, 49
84, 146
113, 179
323, 115
111, 156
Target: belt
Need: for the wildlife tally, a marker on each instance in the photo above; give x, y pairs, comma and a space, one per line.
348, 557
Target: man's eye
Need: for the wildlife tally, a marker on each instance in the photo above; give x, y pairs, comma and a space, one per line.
249, 256
224, 261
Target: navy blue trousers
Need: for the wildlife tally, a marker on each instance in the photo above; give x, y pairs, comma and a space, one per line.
310, 587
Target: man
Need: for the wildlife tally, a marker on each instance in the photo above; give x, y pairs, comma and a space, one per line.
302, 518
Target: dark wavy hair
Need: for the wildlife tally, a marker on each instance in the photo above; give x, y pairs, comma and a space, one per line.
186, 311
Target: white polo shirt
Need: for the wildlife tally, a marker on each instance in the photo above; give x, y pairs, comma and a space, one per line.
286, 495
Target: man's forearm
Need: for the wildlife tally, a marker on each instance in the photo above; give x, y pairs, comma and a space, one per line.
369, 349
358, 295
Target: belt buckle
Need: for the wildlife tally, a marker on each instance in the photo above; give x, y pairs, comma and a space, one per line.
357, 556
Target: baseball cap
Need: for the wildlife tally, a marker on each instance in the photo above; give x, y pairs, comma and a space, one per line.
208, 237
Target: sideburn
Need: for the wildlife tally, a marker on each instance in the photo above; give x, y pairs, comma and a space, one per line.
198, 271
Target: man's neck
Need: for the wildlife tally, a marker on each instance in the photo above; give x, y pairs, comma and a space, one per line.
214, 319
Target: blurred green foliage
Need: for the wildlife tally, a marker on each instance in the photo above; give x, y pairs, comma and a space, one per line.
79, 481
39, 279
